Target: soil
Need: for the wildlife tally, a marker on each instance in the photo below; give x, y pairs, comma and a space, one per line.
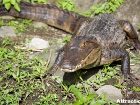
53, 35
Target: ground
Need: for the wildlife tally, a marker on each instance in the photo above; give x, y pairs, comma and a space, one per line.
23, 71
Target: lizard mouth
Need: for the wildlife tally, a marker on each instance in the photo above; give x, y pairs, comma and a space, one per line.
71, 69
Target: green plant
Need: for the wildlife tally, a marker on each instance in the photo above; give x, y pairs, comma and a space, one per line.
20, 25
21, 77
135, 58
136, 88
66, 4
66, 39
106, 73
38, 1
138, 27
89, 98
9, 3
49, 99
6, 42
18, 74
107, 7
15, 3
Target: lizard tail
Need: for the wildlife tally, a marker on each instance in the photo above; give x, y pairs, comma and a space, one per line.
48, 13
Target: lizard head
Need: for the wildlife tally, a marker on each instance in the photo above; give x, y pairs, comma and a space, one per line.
80, 52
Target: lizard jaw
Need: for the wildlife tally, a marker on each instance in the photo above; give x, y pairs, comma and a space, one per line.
72, 70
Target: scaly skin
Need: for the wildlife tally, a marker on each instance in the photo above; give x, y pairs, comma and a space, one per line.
99, 41
96, 42
50, 14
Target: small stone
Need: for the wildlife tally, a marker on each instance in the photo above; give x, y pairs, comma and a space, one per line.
38, 44
112, 93
39, 24
7, 31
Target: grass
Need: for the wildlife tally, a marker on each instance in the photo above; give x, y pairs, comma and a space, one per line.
20, 25
89, 98
107, 7
66, 5
18, 74
22, 78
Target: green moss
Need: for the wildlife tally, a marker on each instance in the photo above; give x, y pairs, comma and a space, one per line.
107, 7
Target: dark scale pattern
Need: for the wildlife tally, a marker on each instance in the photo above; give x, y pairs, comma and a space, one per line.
47, 13
106, 30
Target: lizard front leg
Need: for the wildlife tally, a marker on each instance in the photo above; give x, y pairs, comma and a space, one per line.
110, 55
119, 54
131, 33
